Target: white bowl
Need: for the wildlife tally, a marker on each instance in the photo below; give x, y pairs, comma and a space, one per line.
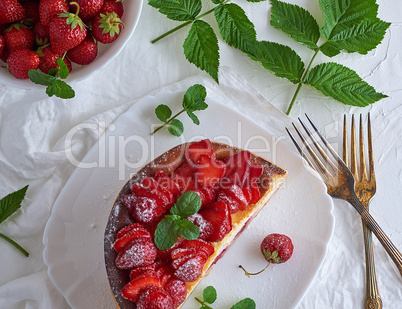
106, 52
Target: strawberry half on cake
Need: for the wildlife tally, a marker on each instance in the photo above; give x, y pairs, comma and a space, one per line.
177, 217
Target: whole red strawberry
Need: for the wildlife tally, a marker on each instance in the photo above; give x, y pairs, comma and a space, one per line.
85, 52
49, 9
2, 45
32, 9
48, 60
41, 34
276, 248
18, 36
22, 60
110, 6
88, 9
11, 11
106, 27
66, 31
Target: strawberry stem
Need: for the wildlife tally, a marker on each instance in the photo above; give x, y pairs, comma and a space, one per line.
254, 274
78, 7
23, 251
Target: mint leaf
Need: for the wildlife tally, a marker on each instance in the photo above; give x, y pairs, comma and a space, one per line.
296, 22
63, 69
186, 205
342, 84
181, 10
360, 38
280, 59
60, 89
194, 98
193, 117
201, 48
40, 78
209, 294
176, 127
187, 229
165, 234
11, 203
246, 303
163, 112
235, 27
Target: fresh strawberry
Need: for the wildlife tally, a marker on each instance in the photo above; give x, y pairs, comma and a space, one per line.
22, 60
276, 249
235, 192
128, 229
232, 204
238, 168
205, 226
138, 252
139, 271
209, 170
167, 183
18, 36
85, 52
183, 176
88, 8
48, 60
11, 11
199, 245
106, 27
165, 254
110, 6
165, 273
66, 31
41, 34
161, 199
247, 194
32, 12
154, 297
218, 214
255, 193
177, 289
256, 171
2, 45
152, 184
137, 230
5, 54
191, 270
49, 9
143, 209
194, 150
132, 289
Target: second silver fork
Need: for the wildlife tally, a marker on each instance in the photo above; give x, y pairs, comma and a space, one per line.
365, 188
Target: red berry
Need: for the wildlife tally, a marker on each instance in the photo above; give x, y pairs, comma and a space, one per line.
218, 214
136, 230
85, 52
143, 209
2, 45
18, 36
167, 183
88, 8
32, 12
138, 252
49, 9
199, 244
110, 6
41, 34
160, 198
206, 227
22, 60
183, 176
11, 11
48, 60
194, 150
238, 168
191, 269
209, 170
132, 289
177, 289
236, 193
106, 27
255, 193
277, 248
139, 271
154, 298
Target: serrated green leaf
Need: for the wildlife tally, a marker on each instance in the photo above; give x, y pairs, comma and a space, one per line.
187, 204
246, 303
280, 59
63, 69
176, 127
187, 229
209, 294
296, 22
11, 203
163, 112
180, 10
193, 117
342, 84
165, 234
194, 98
235, 27
40, 78
60, 89
360, 38
201, 48
217, 1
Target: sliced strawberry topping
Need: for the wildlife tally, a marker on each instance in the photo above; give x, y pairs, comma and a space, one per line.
132, 289
191, 270
164, 273
166, 183
138, 252
143, 209
136, 272
183, 176
152, 184
177, 289
247, 194
193, 151
256, 171
228, 200
238, 167
235, 192
255, 193
165, 254
128, 228
209, 195
142, 191
205, 226
199, 245
209, 170
218, 214
154, 297
121, 242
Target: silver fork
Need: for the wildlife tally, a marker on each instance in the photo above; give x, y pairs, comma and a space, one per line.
365, 188
341, 183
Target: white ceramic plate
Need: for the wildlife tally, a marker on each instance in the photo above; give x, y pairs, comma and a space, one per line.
106, 52
301, 209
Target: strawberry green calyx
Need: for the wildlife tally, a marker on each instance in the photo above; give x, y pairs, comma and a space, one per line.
72, 18
110, 23
272, 256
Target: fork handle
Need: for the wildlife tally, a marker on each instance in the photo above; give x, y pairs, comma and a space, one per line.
391, 249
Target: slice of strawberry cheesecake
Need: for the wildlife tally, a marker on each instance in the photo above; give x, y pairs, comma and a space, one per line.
176, 218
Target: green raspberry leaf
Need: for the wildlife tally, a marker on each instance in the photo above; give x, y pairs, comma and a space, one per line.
63, 69
342, 84
296, 22
176, 127
201, 48
11, 203
235, 27
209, 294
194, 98
280, 59
180, 10
246, 303
40, 78
186, 205
165, 234
187, 229
163, 112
